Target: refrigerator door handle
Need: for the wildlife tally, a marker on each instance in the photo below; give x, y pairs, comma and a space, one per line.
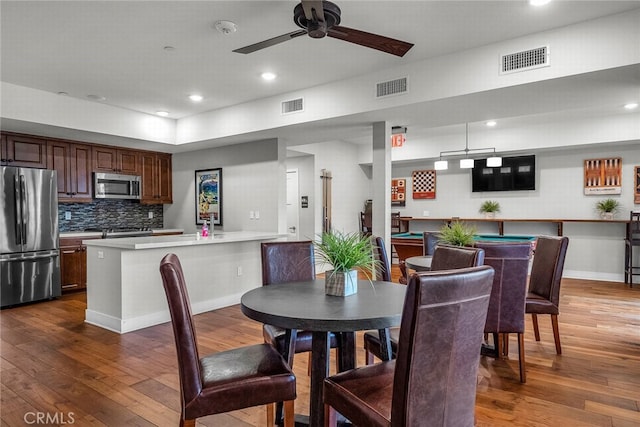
25, 212
29, 257
17, 206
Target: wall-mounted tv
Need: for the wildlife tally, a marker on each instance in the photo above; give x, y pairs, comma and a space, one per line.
516, 173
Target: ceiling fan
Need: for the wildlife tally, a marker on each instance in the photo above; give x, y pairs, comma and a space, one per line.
319, 18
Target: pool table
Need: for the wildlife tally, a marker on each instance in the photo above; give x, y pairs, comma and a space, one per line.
410, 244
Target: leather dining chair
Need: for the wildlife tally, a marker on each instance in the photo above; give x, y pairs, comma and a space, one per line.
544, 283
383, 269
631, 240
432, 382
506, 307
445, 257
226, 381
284, 262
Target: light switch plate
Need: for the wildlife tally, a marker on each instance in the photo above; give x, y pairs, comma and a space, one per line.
150, 214
67, 215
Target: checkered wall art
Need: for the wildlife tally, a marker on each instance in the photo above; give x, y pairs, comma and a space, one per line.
424, 184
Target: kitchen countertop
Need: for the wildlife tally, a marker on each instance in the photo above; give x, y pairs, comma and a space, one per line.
153, 242
97, 234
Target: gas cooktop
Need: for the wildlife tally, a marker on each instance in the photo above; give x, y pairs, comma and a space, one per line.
109, 233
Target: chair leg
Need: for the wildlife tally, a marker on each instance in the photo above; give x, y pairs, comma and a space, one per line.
330, 416
289, 414
368, 357
523, 374
498, 345
505, 345
271, 414
556, 333
309, 366
187, 423
536, 331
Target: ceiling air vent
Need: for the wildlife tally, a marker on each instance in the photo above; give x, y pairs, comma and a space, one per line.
293, 106
392, 87
525, 60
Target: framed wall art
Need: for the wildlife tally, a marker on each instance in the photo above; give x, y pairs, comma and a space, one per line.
636, 180
398, 191
603, 176
424, 184
209, 196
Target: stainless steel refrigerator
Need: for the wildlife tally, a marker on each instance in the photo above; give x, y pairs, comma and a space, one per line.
29, 251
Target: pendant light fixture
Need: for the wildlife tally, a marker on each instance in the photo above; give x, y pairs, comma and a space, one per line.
466, 162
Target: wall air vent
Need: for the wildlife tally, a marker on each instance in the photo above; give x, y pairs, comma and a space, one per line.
525, 60
292, 106
392, 87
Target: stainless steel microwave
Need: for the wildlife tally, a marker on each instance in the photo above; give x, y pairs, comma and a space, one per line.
116, 186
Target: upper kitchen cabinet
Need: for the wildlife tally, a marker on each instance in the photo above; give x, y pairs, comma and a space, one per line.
155, 169
73, 164
118, 160
23, 151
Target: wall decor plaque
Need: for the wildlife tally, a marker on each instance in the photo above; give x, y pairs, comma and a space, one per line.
424, 184
636, 180
398, 191
209, 196
603, 176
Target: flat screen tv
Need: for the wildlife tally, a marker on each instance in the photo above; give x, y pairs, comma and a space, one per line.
516, 173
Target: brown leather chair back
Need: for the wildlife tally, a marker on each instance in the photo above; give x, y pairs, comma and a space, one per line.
183, 330
284, 262
429, 241
436, 373
546, 271
383, 270
448, 257
511, 264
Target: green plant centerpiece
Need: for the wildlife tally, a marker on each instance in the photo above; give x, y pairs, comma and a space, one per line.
457, 233
489, 208
607, 208
346, 253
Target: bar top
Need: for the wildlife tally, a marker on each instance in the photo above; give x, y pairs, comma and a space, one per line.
153, 242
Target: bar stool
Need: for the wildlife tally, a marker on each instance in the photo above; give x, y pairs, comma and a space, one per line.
632, 239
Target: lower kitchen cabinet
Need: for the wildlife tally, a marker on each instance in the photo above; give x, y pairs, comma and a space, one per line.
73, 264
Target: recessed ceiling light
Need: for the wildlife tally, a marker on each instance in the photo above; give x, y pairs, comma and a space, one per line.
168, 48
631, 106
63, 94
96, 97
268, 76
195, 98
538, 2
162, 113
491, 123
225, 27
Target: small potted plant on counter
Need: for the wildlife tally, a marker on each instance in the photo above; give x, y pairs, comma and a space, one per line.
607, 208
346, 253
490, 208
458, 234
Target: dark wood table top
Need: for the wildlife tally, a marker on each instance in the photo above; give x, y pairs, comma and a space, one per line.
419, 263
304, 305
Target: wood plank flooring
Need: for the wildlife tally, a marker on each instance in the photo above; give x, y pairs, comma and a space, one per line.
55, 366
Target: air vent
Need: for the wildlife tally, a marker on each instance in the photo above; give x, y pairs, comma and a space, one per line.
293, 106
392, 87
525, 60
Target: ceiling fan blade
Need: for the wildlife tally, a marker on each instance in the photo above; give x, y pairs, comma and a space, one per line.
374, 41
271, 42
309, 5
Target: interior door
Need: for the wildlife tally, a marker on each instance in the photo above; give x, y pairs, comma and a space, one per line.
293, 215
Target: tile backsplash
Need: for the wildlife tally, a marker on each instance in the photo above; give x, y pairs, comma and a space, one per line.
104, 213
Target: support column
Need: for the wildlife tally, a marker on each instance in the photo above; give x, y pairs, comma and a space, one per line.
381, 178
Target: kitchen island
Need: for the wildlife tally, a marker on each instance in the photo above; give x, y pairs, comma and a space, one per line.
124, 287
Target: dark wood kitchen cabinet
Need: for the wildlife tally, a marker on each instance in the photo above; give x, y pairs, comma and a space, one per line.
115, 160
73, 164
155, 169
73, 264
23, 151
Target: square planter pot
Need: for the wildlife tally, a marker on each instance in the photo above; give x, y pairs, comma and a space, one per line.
341, 284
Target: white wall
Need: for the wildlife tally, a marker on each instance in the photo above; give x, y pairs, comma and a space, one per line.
251, 179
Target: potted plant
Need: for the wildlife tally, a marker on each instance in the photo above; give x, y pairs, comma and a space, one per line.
457, 233
346, 253
607, 208
490, 208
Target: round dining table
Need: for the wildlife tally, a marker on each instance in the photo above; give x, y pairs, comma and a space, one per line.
419, 263
305, 306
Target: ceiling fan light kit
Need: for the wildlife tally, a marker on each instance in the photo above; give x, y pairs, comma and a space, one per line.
318, 19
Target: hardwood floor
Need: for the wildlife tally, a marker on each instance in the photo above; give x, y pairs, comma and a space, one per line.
55, 366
